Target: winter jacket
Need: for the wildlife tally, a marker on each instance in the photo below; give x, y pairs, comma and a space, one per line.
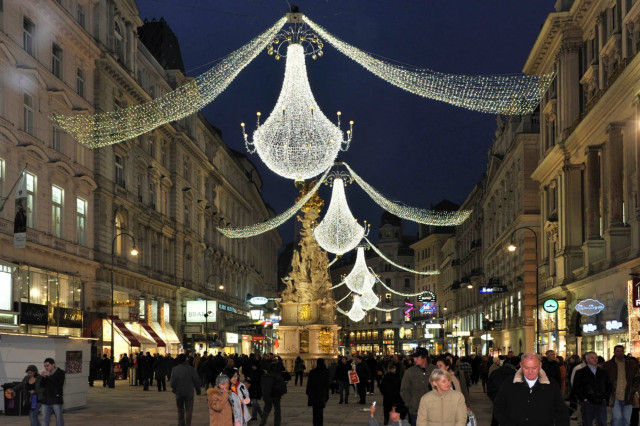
632, 375
364, 374
243, 394
272, 386
374, 422
184, 379
458, 384
594, 388
342, 371
516, 404
448, 409
318, 387
219, 408
390, 388
22, 387
552, 369
415, 383
500, 376
255, 390
237, 408
52, 388
299, 366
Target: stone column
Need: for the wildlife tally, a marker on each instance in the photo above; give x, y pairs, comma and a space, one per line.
592, 193
615, 170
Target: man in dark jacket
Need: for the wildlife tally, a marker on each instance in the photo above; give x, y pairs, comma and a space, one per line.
52, 384
530, 398
342, 378
273, 387
160, 371
501, 375
624, 385
184, 379
592, 389
390, 389
255, 391
551, 366
105, 369
318, 391
415, 382
364, 375
124, 366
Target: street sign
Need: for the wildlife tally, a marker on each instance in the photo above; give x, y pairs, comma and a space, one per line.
258, 300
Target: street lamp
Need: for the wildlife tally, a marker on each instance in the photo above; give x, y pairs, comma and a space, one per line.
512, 248
206, 326
133, 252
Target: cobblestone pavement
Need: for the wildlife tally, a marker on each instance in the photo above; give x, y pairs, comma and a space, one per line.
128, 405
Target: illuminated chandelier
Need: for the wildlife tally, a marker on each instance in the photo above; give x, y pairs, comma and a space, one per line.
368, 299
297, 141
360, 279
339, 232
356, 313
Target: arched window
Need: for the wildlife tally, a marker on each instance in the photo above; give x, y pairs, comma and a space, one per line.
118, 37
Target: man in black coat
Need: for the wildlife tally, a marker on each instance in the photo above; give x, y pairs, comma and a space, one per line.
124, 366
364, 375
342, 378
592, 389
551, 366
390, 389
500, 376
52, 383
255, 391
160, 371
318, 391
530, 398
105, 369
273, 387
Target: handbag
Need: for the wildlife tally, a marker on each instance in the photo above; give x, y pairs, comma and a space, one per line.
471, 419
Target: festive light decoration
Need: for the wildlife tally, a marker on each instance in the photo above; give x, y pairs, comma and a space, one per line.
338, 232
404, 268
360, 278
394, 291
337, 285
386, 310
356, 313
298, 33
274, 222
345, 298
97, 130
368, 299
414, 214
495, 94
297, 141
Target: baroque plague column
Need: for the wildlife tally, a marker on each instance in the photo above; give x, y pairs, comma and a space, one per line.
307, 328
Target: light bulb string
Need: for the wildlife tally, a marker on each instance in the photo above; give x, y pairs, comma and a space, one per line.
274, 222
337, 285
392, 290
404, 268
496, 94
345, 298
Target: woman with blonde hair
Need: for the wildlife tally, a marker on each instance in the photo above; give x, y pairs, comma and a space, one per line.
442, 406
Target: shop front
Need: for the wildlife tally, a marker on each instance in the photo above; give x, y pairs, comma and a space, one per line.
553, 326
125, 339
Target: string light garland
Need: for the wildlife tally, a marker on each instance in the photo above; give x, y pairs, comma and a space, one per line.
297, 141
394, 291
386, 309
274, 222
337, 285
495, 94
339, 232
404, 268
98, 130
360, 278
414, 214
345, 298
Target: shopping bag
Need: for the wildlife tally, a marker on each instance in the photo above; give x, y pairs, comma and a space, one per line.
353, 378
471, 418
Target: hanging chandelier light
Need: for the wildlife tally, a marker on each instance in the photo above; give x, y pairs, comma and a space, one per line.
339, 232
368, 299
356, 313
297, 141
360, 279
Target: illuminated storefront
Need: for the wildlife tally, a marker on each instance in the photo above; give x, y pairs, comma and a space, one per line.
553, 329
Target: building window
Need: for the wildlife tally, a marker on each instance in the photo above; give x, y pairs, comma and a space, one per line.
407, 283
57, 194
56, 60
152, 195
81, 221
31, 198
186, 171
28, 36
28, 113
119, 170
1, 13
80, 15
57, 139
165, 202
80, 82
387, 316
118, 37
387, 298
187, 213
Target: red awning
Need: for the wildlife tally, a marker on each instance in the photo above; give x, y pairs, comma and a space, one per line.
159, 342
133, 341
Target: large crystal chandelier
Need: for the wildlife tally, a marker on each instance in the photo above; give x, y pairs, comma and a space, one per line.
368, 299
360, 278
338, 232
297, 141
356, 313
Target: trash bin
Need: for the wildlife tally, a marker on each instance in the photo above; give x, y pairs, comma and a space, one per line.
14, 406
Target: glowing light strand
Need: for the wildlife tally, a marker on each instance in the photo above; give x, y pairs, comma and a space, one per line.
274, 222
337, 285
297, 141
97, 130
345, 298
495, 94
414, 214
386, 309
394, 291
404, 268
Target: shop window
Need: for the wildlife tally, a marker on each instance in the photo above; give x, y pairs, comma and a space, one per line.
375, 334
387, 316
389, 333
119, 170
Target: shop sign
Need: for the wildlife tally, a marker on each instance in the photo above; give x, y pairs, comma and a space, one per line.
258, 300
31, 313
428, 308
433, 326
462, 333
232, 338
116, 303
248, 328
67, 317
550, 305
427, 296
613, 325
196, 310
258, 338
589, 307
245, 337
8, 319
493, 289
589, 328
636, 291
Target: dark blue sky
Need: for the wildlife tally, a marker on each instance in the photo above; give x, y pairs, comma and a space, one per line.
410, 148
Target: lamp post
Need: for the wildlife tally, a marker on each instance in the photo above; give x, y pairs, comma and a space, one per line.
134, 252
512, 247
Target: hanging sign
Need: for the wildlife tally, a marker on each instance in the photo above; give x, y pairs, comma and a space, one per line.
636, 291
427, 296
258, 300
589, 328
589, 307
550, 305
493, 289
613, 325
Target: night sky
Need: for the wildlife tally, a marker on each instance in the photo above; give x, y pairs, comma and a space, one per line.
410, 148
